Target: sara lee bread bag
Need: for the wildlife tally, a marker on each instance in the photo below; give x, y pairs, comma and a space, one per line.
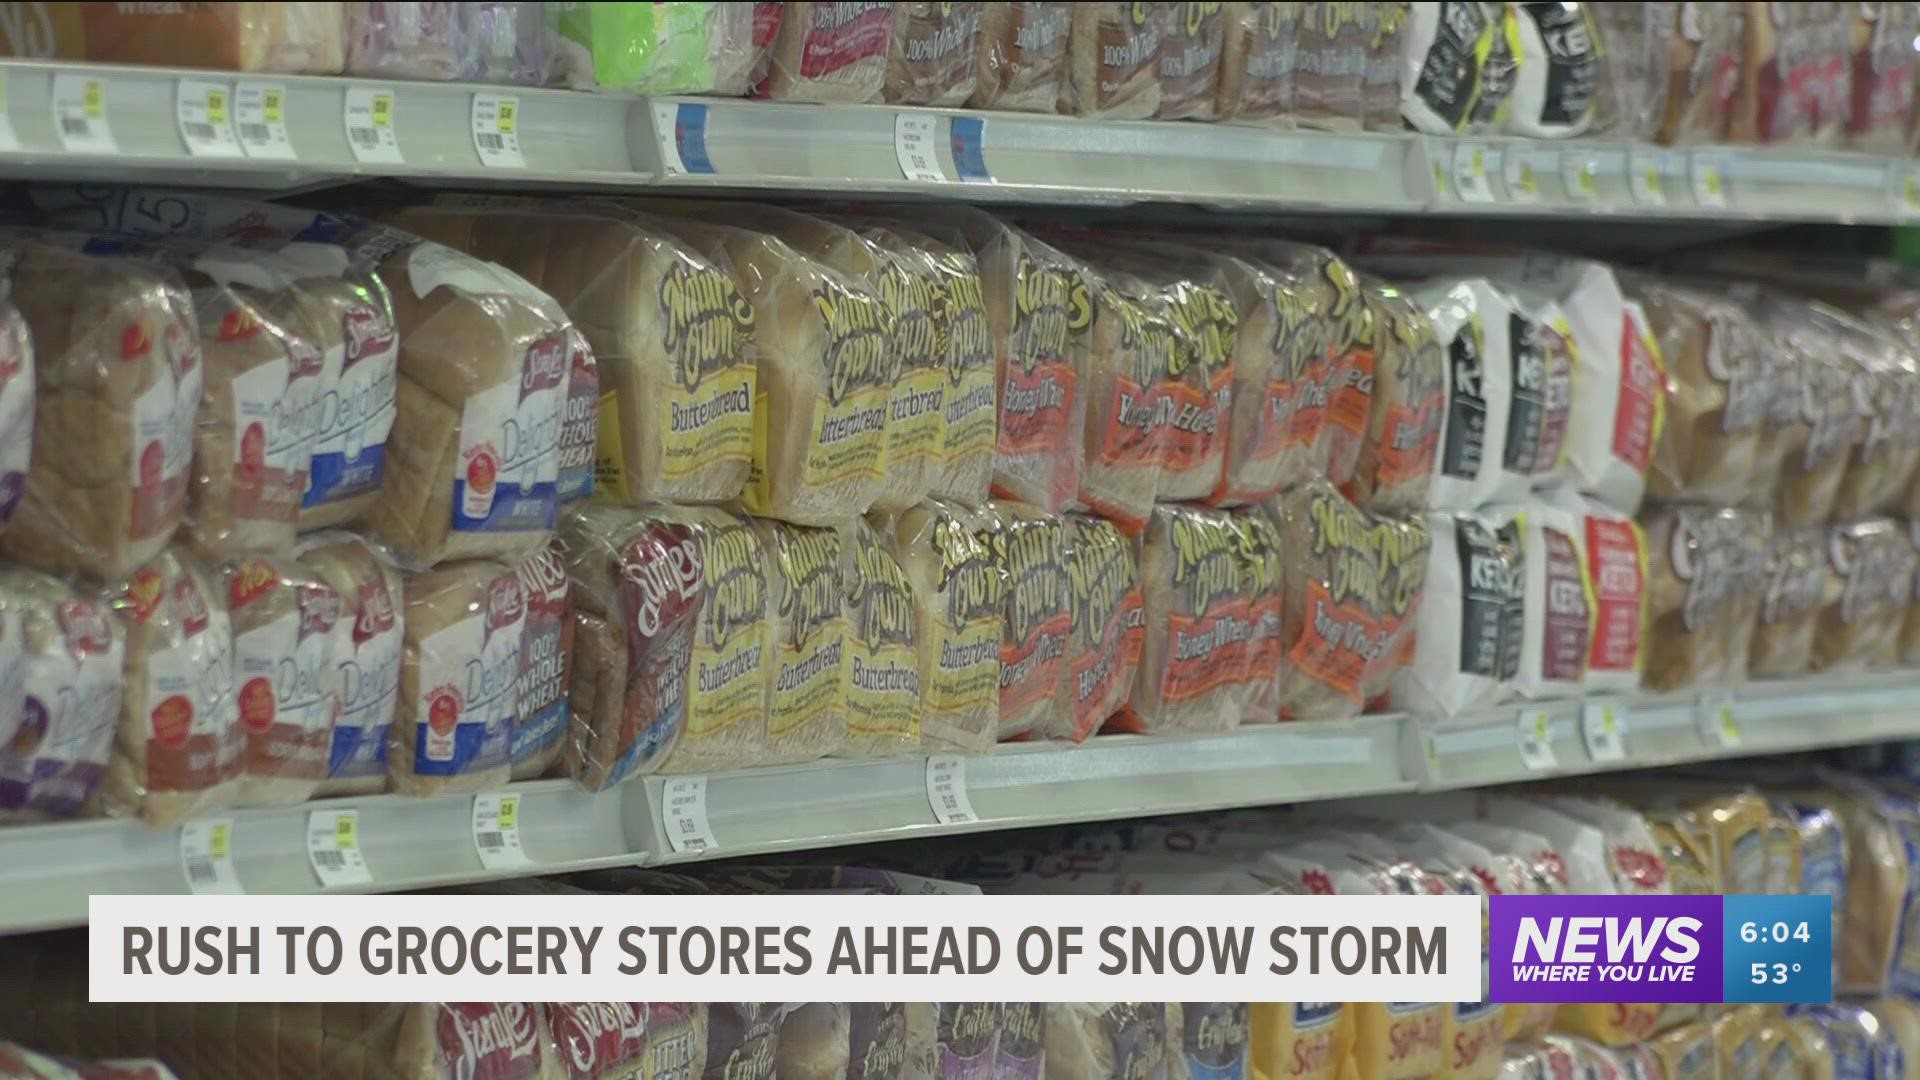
367, 670
1258, 53
1717, 364
1190, 55
540, 723
882, 678
287, 643
670, 330
1409, 404
179, 747
1194, 655
1028, 548
1197, 397
1113, 60
1468, 636
1353, 583
1022, 56
599, 1038
931, 60
443, 1039
1706, 575
118, 379
465, 625
805, 669
69, 654
1870, 566
672, 606
829, 52
1107, 624
959, 601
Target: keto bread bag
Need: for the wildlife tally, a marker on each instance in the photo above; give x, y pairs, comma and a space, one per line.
179, 748
1870, 567
1113, 60
1467, 640
1409, 408
1259, 51
1330, 74
1444, 53
1107, 616
465, 627
1706, 580
367, 670
931, 59
1193, 666
1190, 57
672, 605
1558, 601
1022, 56
540, 724
806, 692
883, 675
1353, 583
288, 640
68, 654
959, 619
1558, 87
1474, 322
697, 48
829, 53
1717, 363
1028, 548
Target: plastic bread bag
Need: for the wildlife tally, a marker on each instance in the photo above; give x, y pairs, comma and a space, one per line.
1499, 73
883, 677
1634, 44
742, 1040
459, 679
1706, 581
1719, 391
805, 669
546, 665
1352, 596
179, 748
1309, 1040
1577, 848
1467, 636
1823, 858
62, 656
1633, 853
1545, 354
1263, 553
1559, 82
932, 59
1870, 566
1258, 54
1207, 1040
1113, 60
1882, 68
24, 1063
598, 1038
1190, 60
1795, 75
1685, 1052
1880, 831
1796, 586
862, 1041
1134, 348
1203, 311
288, 641
1022, 56
1329, 77
1385, 26
1108, 623
1028, 548
682, 48
1194, 658
827, 52
1702, 70
486, 42
442, 1040
367, 664
1900, 1021
1098, 1041
959, 602
297, 38
1473, 322
116, 388
1559, 601
1445, 48
17, 380
1882, 460
1409, 408
1837, 395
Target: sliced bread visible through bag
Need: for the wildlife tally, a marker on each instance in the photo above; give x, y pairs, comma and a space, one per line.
882, 679
931, 59
1108, 623
1113, 69
1028, 548
1258, 53
71, 656
1193, 663
286, 647
1022, 56
541, 723
459, 679
829, 52
367, 673
1408, 407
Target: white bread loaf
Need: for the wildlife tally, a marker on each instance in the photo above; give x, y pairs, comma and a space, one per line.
541, 725
179, 748
1113, 60
68, 655
958, 596
1028, 547
1108, 622
17, 380
931, 60
441, 1040
884, 682
285, 655
1194, 659
829, 52
353, 316
367, 673
806, 693
459, 679
1023, 56
1257, 56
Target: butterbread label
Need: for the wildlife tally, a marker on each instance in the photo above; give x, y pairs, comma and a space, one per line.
966, 341
507, 471
1109, 620
811, 649
916, 412
966, 668
883, 667
357, 407
367, 682
488, 1042
1052, 309
728, 650
1033, 644
705, 419
1374, 571
850, 421
469, 686
1211, 627
70, 711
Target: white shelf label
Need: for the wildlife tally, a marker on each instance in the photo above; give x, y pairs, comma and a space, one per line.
80, 114
496, 131
369, 121
203, 111
916, 145
1535, 731
681, 131
1581, 175
1603, 724
1519, 175
260, 121
1719, 719
333, 848
206, 857
1471, 165
1708, 175
683, 808
1645, 177
947, 790
496, 831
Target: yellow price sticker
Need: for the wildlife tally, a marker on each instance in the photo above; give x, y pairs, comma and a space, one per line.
509, 811
1527, 181
1608, 724
1540, 727
217, 106
1584, 178
1433, 756
1439, 177
95, 99
1729, 727
382, 110
271, 104
1913, 192
218, 839
1652, 177
507, 110
1479, 161
1713, 181
345, 832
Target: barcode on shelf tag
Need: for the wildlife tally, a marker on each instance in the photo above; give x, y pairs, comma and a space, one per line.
80, 114
1708, 175
683, 810
1603, 725
333, 847
204, 112
1719, 718
206, 857
496, 831
947, 790
1472, 165
1535, 730
1645, 177
1580, 174
1520, 175
967, 138
681, 131
496, 131
370, 119
916, 145
260, 121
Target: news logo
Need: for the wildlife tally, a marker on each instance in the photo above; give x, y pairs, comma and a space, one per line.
1662, 949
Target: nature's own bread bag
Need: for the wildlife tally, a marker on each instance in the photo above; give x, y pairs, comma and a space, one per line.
1134, 350
959, 602
1333, 398
541, 724
459, 679
1201, 396
1353, 583
1113, 60
1022, 55
804, 668
1190, 57
829, 52
367, 672
1870, 577
672, 334
287, 641
1107, 625
1386, 29
1194, 656
178, 752
1409, 404
1028, 548
931, 60
1796, 585
1880, 119
70, 654
1257, 57
882, 678
1794, 66
1718, 392
1329, 76
118, 380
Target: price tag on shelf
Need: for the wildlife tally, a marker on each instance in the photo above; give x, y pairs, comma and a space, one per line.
496, 131
1439, 154
203, 111
915, 145
206, 857
496, 831
1519, 176
681, 129
1903, 188
1603, 724
1645, 178
1535, 731
683, 809
1580, 174
8, 141
947, 790
369, 118
80, 114
967, 139
1472, 163
333, 848
1719, 719
260, 121
1708, 174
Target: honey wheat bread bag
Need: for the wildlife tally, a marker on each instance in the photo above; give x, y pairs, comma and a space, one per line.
1028, 547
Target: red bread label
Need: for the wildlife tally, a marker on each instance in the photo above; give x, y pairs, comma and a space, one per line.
547, 366
1641, 379
844, 34
1325, 649
1192, 422
366, 333
376, 610
1563, 650
190, 607
600, 1039
1351, 397
1619, 581
1410, 441
661, 578
173, 722
489, 1042
144, 593
1207, 651
238, 324
251, 580
257, 705
136, 340
1131, 427
84, 628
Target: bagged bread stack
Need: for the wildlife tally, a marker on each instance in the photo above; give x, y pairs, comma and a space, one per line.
117, 382
931, 60
1134, 351
1883, 68
1558, 605
1870, 576
600, 1038
1409, 404
1617, 579
1194, 656
459, 679
699, 48
958, 597
285, 652
1706, 576
829, 52
883, 680
1794, 68
546, 661
441, 1039
179, 747
1446, 50
1190, 55
16, 409
1258, 54
1559, 84
367, 668
1333, 398
1468, 639
1718, 371
68, 654
1886, 451
1108, 622
1202, 395
1022, 56
1279, 345
1473, 321
1113, 67
1386, 29
806, 692
1091, 1041
1028, 548
1636, 39
1331, 71
298, 38
1265, 568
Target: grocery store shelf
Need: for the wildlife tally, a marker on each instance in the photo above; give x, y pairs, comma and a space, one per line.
413, 843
